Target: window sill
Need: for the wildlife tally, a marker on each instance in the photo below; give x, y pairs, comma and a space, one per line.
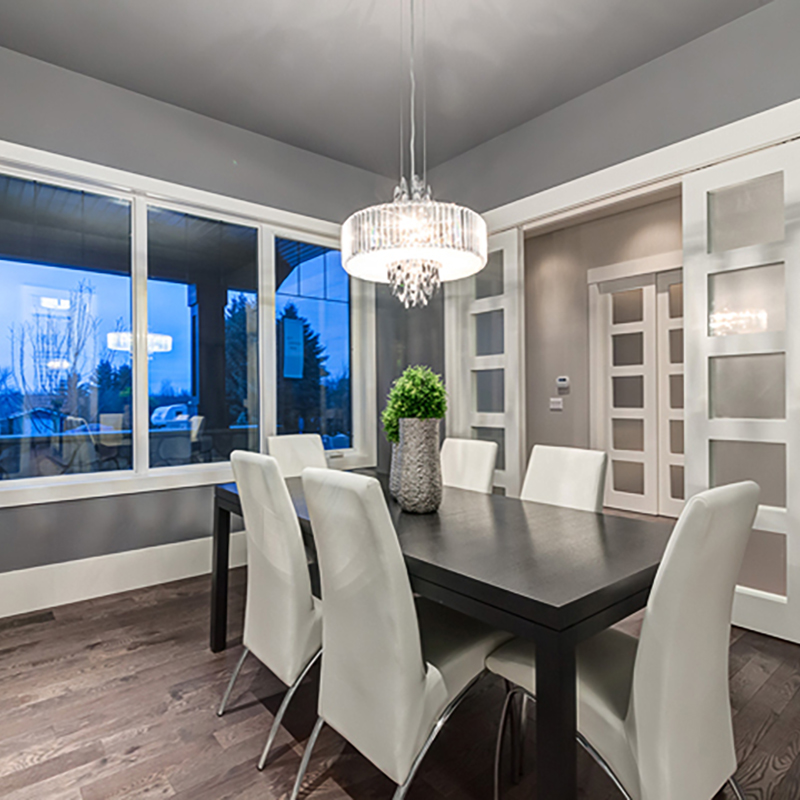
63, 488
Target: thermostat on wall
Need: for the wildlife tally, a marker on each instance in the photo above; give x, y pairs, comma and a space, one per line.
562, 382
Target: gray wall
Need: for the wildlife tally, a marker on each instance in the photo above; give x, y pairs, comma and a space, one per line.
404, 337
557, 309
50, 108
747, 66
53, 109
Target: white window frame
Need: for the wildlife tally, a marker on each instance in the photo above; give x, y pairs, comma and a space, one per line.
140, 191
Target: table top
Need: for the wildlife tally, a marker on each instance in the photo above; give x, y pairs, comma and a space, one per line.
552, 566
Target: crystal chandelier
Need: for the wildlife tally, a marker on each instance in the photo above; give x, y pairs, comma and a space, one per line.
413, 243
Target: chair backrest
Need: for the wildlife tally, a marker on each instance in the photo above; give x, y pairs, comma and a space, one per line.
294, 452
280, 625
566, 476
469, 464
679, 716
372, 685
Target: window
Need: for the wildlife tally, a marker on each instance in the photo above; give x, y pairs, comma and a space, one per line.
202, 339
312, 336
143, 341
65, 381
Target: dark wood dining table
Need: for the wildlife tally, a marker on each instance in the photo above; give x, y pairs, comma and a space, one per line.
554, 575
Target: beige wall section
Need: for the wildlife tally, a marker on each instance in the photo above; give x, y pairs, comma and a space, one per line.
557, 308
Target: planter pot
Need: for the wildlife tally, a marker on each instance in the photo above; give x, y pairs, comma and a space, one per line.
394, 471
420, 490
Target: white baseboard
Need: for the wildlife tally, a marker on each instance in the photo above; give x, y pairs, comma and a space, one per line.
38, 588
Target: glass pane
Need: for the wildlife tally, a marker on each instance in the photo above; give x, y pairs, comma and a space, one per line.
494, 435
748, 386
489, 333
65, 352
676, 436
627, 306
762, 462
628, 477
764, 563
313, 343
489, 281
746, 214
675, 300
202, 337
746, 301
676, 346
628, 434
676, 391
628, 391
676, 490
628, 349
489, 391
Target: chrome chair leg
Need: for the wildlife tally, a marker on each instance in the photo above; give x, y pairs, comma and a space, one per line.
521, 733
735, 788
236, 671
587, 746
499, 746
287, 698
401, 790
301, 773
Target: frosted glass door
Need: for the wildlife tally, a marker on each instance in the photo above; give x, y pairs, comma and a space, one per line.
483, 369
742, 371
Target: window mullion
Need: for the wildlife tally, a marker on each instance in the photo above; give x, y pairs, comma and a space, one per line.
266, 327
141, 408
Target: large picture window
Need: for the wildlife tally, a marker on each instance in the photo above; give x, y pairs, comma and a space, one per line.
312, 313
65, 304
202, 338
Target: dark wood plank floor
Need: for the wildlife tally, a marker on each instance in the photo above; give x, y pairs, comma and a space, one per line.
116, 698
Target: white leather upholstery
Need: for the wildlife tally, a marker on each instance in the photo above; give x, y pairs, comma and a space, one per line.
566, 476
282, 619
294, 452
658, 710
469, 464
388, 668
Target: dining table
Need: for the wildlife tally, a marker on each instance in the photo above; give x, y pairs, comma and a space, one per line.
547, 573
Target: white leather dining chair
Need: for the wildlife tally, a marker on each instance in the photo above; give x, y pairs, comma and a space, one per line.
469, 464
282, 618
392, 670
566, 476
655, 713
296, 451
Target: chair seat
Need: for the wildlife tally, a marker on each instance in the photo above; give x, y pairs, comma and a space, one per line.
604, 677
456, 645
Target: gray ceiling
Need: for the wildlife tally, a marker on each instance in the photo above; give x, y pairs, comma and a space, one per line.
325, 75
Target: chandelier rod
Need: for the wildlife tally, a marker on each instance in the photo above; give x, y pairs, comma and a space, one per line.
424, 102
412, 141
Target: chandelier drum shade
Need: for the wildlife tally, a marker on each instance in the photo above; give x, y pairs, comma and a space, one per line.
414, 243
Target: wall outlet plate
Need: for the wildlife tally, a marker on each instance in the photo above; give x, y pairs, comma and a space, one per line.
556, 403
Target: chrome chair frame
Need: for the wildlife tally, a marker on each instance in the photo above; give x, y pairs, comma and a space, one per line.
287, 698
402, 789
582, 740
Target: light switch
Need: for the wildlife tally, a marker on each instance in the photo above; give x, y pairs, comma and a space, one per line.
556, 403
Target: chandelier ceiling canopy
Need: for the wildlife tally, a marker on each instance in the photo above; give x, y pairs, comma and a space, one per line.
414, 243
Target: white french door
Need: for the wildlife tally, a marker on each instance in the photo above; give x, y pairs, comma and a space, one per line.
483, 357
742, 279
637, 387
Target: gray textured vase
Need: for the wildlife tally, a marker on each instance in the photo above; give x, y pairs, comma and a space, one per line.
394, 470
420, 469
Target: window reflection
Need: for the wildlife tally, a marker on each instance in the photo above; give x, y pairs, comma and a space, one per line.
312, 312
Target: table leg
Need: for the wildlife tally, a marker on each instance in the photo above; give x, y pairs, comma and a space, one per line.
219, 578
556, 708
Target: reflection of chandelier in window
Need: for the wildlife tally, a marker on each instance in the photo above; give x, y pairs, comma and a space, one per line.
414, 243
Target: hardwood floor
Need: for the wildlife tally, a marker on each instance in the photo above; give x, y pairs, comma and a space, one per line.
117, 697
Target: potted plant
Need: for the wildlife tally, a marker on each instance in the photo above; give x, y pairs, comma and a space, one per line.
416, 403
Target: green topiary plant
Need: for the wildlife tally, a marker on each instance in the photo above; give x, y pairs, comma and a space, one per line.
418, 392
